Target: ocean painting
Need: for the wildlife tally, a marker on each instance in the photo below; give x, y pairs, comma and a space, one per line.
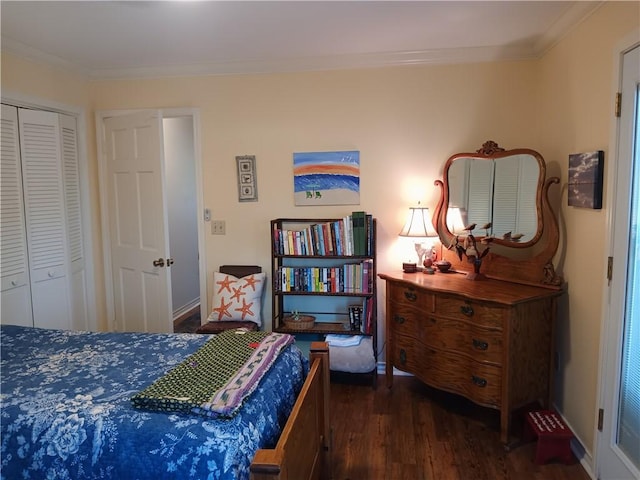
326, 178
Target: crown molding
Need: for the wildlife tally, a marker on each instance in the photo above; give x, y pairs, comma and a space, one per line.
324, 63
574, 16
19, 49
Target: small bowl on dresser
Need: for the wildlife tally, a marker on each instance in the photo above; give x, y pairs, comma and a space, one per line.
443, 266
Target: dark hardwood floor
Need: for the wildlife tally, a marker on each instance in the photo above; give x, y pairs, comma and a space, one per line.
414, 432
187, 323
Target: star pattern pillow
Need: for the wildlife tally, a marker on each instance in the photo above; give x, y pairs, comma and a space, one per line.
237, 299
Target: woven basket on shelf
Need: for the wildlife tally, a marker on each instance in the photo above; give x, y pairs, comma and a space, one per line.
302, 322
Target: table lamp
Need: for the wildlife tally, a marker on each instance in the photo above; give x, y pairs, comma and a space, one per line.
419, 227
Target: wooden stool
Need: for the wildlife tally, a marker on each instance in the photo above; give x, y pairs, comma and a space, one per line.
554, 437
217, 327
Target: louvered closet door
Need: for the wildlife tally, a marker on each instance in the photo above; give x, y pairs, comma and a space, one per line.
71, 182
45, 218
14, 270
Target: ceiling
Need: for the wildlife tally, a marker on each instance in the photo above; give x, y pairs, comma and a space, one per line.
118, 39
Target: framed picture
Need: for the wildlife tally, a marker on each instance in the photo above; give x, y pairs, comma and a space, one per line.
247, 186
585, 179
326, 178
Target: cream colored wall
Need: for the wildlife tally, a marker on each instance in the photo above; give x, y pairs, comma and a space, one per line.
575, 115
404, 121
38, 80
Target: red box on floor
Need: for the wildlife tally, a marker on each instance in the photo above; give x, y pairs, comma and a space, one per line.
554, 437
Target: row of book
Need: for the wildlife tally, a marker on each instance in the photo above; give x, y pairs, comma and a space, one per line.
361, 316
347, 278
351, 235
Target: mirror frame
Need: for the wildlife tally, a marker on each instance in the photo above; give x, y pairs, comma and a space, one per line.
532, 263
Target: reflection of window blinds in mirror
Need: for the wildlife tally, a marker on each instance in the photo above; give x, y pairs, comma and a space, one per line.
480, 193
527, 218
505, 209
516, 178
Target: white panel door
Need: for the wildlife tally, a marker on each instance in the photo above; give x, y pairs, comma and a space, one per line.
137, 223
618, 454
45, 218
14, 267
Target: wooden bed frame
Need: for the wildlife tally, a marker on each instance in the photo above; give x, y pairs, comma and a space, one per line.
303, 451
304, 447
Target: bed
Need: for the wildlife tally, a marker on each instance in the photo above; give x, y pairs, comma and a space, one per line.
66, 412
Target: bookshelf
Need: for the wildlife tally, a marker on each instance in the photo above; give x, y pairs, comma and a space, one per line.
326, 268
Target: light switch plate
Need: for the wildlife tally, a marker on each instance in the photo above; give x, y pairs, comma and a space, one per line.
218, 227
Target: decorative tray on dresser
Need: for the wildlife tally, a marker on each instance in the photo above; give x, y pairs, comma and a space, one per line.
490, 341
485, 330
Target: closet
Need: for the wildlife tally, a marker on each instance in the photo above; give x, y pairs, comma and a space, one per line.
42, 259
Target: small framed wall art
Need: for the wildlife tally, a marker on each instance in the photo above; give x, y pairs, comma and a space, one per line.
585, 179
247, 185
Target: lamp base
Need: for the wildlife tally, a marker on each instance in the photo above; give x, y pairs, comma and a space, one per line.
409, 268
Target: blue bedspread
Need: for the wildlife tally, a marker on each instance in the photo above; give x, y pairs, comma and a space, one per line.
66, 411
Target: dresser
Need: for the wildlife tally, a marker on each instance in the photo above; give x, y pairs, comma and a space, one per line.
490, 341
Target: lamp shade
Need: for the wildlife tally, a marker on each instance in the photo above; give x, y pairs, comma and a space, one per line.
418, 224
455, 222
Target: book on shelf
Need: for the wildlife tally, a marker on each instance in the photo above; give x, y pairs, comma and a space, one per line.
368, 241
357, 220
355, 317
368, 315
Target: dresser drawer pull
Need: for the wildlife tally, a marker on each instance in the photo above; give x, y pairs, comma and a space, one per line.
467, 310
403, 356
411, 296
399, 319
480, 345
481, 382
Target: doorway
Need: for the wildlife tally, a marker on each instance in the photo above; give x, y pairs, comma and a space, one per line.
182, 213
618, 447
151, 209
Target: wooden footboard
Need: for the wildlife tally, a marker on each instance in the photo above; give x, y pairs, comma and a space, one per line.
303, 450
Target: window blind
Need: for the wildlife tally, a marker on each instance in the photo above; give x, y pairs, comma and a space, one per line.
629, 413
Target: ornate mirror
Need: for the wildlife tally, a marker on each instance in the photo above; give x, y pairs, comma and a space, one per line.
500, 197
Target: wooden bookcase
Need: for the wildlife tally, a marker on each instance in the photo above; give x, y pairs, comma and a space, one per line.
323, 281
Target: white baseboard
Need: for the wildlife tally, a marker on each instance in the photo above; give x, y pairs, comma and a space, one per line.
382, 370
186, 308
578, 449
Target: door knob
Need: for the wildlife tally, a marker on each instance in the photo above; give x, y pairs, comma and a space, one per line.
169, 262
159, 262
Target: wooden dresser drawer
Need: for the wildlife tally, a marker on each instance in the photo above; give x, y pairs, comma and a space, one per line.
406, 355
405, 319
458, 307
464, 337
408, 295
478, 382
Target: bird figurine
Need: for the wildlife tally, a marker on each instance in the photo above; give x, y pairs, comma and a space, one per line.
516, 237
470, 227
507, 236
